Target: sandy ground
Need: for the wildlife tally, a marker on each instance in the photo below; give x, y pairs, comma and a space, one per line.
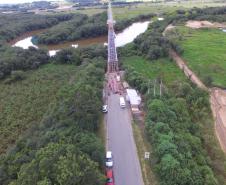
204, 24
218, 106
168, 28
217, 100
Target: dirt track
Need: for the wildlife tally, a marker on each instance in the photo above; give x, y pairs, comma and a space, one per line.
183, 66
217, 100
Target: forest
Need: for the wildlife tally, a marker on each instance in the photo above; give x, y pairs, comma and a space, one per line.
64, 148
13, 25
14, 59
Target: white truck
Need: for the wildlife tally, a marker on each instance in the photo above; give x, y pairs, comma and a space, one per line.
122, 102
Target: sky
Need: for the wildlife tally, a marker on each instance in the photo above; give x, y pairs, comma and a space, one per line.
19, 1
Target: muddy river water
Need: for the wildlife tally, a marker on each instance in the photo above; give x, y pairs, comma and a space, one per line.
122, 38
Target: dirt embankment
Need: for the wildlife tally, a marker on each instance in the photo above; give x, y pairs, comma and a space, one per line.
218, 107
204, 24
168, 28
183, 66
217, 100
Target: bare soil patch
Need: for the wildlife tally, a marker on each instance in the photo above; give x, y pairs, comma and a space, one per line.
204, 24
168, 28
218, 106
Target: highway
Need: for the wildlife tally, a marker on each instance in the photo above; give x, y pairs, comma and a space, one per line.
120, 141
118, 121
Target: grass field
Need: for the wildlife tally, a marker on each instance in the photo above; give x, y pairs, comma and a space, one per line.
205, 53
152, 7
23, 103
162, 68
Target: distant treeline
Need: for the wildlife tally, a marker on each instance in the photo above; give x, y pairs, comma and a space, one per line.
82, 26
64, 148
13, 25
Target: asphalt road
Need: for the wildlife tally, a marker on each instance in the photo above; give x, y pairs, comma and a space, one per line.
121, 142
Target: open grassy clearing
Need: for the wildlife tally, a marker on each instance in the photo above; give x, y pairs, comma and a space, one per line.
23, 103
127, 12
204, 52
162, 68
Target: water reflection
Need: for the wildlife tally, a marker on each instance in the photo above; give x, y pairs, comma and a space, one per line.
130, 33
25, 43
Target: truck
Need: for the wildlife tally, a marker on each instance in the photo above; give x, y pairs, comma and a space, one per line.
122, 102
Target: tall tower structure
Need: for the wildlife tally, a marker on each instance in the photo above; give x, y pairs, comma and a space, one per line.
112, 53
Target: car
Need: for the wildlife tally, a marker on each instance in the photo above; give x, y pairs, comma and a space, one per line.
105, 109
110, 177
109, 159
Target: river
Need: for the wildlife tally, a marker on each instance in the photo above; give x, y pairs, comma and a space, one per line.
122, 38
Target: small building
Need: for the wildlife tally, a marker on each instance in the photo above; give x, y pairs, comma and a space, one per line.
134, 99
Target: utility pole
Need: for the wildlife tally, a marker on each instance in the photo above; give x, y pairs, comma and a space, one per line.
149, 86
161, 88
154, 86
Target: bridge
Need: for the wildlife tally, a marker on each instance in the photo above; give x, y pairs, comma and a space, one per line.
112, 53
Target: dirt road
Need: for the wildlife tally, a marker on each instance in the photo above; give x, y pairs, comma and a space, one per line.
183, 66
217, 100
218, 107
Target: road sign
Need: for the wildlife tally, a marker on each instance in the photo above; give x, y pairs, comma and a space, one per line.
146, 155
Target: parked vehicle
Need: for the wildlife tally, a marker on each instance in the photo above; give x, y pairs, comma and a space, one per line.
122, 102
110, 177
109, 159
118, 78
105, 109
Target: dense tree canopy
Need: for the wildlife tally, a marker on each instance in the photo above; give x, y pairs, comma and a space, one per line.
13, 59
13, 25
63, 148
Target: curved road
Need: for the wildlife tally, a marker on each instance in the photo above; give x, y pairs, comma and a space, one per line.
120, 141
